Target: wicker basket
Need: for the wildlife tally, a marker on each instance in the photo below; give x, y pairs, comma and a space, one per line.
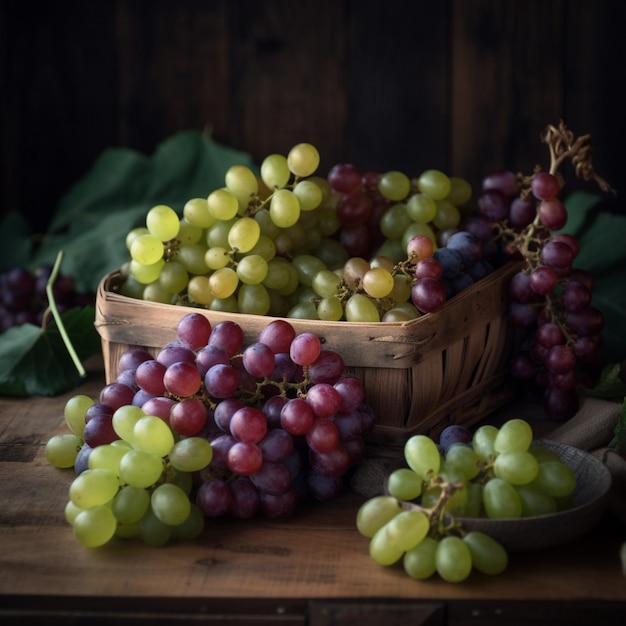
419, 376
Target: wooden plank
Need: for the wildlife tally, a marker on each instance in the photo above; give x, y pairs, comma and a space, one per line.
288, 80
507, 83
399, 92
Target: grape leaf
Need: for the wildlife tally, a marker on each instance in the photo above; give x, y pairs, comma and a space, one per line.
35, 361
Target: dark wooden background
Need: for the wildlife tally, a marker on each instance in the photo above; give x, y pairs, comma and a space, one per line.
461, 85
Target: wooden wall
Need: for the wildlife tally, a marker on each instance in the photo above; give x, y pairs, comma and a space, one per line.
461, 85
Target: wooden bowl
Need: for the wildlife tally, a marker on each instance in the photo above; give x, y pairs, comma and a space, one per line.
593, 481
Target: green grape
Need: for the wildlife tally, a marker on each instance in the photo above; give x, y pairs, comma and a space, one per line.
191, 257
393, 249
147, 249
253, 300
268, 228
518, 467
153, 531
217, 257
223, 282
183, 480
401, 293
192, 527
326, 283
121, 443
543, 454
93, 487
359, 308
514, 434
106, 457
275, 171
191, 454
173, 278
225, 305
61, 450
127, 531
473, 506
462, 458
163, 222
252, 269
447, 216
377, 282
501, 500
421, 208
140, 468
555, 478
407, 529
309, 195
460, 191
329, 309
217, 235
189, 233
155, 293
453, 559
124, 420
374, 513
535, 501
307, 267
131, 287
303, 311
70, 512
434, 183
422, 455
419, 561
134, 234
223, 204
199, 290
196, 212
457, 501
303, 159
74, 413
170, 504
146, 274
264, 247
244, 234
328, 222
95, 526
284, 208
415, 229
152, 434
394, 185
241, 181
488, 555
483, 441
394, 221
130, 504
280, 273
382, 550
404, 484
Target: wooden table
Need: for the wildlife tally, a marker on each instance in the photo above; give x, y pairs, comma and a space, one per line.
311, 569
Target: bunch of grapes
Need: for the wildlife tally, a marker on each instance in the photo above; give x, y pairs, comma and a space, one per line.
210, 427
494, 473
23, 298
293, 244
550, 299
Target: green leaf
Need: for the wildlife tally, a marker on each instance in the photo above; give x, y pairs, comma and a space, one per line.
610, 385
35, 361
97, 213
15, 241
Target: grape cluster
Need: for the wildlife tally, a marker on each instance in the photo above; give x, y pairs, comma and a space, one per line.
494, 473
293, 244
23, 298
209, 427
550, 299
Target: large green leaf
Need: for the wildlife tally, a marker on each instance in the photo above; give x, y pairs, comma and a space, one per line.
35, 361
600, 228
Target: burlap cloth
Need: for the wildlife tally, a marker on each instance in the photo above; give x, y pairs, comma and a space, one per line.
591, 429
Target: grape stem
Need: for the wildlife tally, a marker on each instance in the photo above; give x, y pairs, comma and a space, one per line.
52, 309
